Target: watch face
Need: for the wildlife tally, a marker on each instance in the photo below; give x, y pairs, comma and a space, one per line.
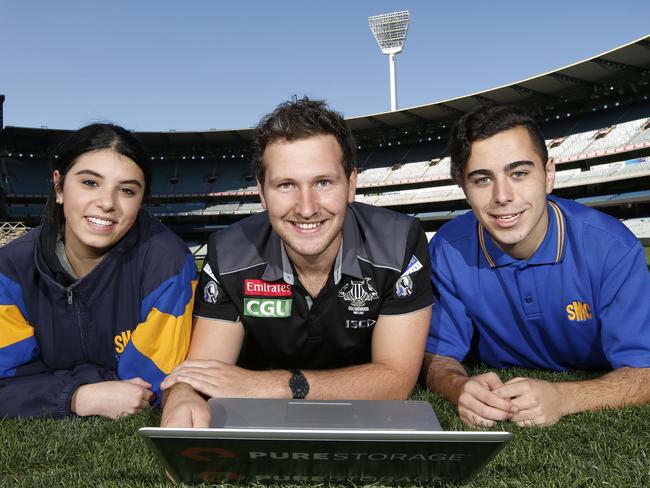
299, 385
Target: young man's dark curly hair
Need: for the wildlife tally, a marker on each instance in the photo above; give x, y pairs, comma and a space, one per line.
300, 119
484, 122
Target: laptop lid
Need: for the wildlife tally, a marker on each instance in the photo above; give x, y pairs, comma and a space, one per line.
321, 455
243, 413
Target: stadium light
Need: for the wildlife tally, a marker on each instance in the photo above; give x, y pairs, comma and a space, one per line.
390, 32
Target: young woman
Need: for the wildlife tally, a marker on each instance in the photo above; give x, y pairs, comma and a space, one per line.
96, 302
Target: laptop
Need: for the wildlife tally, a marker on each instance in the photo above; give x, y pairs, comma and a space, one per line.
271, 441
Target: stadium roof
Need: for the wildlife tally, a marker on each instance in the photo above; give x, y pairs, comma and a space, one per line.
624, 70
621, 75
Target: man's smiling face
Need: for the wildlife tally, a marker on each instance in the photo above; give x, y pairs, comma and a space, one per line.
306, 193
506, 184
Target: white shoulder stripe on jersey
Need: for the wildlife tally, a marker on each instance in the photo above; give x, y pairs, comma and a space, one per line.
208, 270
378, 265
244, 268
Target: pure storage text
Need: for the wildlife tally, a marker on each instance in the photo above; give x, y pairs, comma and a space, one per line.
359, 456
358, 480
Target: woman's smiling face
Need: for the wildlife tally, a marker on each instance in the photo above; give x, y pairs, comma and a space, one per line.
101, 196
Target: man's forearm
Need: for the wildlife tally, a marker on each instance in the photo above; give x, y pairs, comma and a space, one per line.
444, 375
362, 382
371, 381
619, 388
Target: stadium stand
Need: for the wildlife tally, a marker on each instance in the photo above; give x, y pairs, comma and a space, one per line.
595, 115
643, 134
22, 175
222, 208
249, 208
32, 211
640, 227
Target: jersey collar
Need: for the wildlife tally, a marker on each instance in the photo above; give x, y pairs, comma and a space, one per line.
551, 250
279, 266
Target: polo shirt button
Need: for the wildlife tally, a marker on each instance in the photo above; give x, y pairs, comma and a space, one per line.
529, 299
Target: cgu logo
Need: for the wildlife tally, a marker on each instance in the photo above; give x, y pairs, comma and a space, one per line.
121, 340
579, 311
267, 308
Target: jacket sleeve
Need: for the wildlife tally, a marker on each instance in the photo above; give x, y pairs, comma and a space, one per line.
27, 387
161, 340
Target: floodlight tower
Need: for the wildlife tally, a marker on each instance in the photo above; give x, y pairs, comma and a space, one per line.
390, 32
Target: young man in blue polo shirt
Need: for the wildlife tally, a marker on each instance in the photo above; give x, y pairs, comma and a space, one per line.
530, 280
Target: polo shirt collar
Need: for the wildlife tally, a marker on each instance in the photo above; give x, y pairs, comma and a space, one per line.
279, 266
274, 257
551, 250
351, 245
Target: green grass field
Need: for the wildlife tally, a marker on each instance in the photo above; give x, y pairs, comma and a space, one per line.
603, 449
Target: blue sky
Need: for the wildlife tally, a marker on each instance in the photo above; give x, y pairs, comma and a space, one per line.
155, 65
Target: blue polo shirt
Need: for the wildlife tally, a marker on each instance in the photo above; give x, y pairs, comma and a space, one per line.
581, 301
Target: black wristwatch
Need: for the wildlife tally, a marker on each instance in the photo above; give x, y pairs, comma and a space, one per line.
298, 384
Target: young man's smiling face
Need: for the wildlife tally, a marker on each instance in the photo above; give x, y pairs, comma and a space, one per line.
506, 184
306, 193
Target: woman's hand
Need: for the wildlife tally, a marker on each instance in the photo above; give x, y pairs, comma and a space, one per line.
112, 399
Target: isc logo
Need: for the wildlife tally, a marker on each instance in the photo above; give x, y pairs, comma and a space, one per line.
359, 324
579, 311
267, 308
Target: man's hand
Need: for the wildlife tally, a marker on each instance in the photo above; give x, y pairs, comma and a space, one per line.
539, 402
478, 403
184, 408
218, 379
112, 399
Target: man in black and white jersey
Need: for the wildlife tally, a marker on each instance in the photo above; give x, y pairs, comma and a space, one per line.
318, 297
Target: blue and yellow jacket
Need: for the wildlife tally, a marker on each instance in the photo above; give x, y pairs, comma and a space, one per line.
131, 316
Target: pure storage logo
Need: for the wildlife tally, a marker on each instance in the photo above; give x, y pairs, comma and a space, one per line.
439, 457
207, 453
210, 454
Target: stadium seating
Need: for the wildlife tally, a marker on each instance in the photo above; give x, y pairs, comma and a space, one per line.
383, 167
573, 145
441, 169
222, 208
619, 136
590, 152
27, 176
17, 211
249, 208
182, 208
639, 226
193, 176
372, 175
643, 134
